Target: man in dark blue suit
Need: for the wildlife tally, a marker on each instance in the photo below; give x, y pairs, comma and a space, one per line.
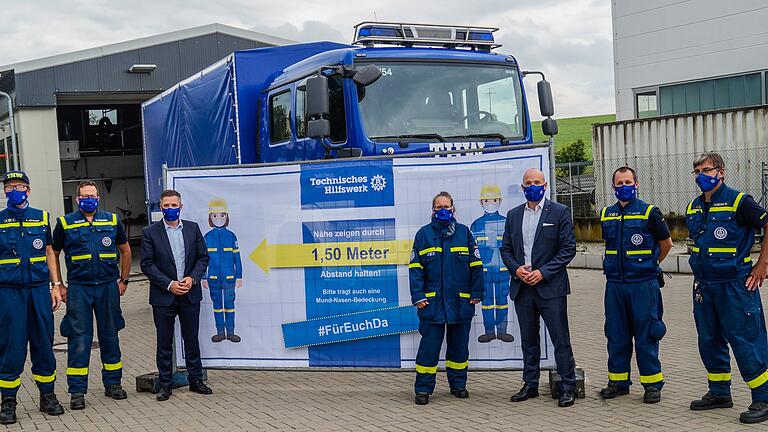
538, 244
174, 258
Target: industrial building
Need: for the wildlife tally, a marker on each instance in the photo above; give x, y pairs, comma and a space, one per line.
77, 115
677, 57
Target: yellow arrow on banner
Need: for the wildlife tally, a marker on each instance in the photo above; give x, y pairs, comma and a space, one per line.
383, 252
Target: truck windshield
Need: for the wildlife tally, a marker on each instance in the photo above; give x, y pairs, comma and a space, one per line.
443, 99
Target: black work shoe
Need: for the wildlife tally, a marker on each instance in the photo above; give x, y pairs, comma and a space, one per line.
422, 398
613, 390
115, 391
8, 410
652, 395
757, 412
50, 405
485, 338
461, 393
218, 337
710, 401
233, 338
164, 394
505, 337
77, 402
199, 387
567, 398
527, 392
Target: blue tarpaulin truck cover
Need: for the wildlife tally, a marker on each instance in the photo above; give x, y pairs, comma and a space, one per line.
211, 118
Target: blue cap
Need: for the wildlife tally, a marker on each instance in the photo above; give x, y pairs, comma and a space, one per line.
15, 175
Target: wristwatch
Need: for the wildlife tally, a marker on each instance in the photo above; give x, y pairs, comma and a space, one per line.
57, 283
125, 281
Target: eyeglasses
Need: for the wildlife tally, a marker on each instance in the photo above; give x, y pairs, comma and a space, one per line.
706, 171
18, 187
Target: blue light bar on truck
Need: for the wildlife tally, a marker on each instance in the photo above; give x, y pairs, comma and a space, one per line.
404, 34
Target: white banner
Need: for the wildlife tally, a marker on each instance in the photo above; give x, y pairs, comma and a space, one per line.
309, 261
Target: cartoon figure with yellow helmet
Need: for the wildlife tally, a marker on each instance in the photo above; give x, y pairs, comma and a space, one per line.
489, 231
225, 270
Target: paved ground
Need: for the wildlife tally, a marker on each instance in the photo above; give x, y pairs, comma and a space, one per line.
362, 401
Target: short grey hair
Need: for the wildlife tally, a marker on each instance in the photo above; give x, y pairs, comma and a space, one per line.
715, 158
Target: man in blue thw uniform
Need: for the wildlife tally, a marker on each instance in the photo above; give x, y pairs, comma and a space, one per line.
726, 300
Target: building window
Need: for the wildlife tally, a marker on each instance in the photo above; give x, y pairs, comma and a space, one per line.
280, 117
708, 95
646, 104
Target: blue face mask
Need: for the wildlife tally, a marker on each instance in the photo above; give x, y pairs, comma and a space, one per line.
171, 214
707, 183
16, 198
443, 214
89, 205
534, 193
625, 192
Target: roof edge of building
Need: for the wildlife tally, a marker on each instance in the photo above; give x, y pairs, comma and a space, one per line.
143, 42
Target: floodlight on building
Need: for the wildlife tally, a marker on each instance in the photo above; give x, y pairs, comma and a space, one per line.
142, 68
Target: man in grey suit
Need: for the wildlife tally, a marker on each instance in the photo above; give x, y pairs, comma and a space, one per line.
538, 244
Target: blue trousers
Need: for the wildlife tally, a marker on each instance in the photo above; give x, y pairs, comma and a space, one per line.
456, 355
634, 310
223, 309
83, 302
726, 313
495, 303
26, 317
531, 308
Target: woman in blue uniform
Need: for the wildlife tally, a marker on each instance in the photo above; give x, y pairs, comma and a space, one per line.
225, 270
446, 281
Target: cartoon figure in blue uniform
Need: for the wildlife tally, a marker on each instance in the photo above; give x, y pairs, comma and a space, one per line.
489, 231
225, 270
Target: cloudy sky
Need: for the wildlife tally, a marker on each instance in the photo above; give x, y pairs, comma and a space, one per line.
570, 40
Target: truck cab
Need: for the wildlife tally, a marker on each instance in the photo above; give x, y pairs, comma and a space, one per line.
427, 88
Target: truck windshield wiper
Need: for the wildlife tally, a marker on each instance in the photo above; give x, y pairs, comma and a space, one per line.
425, 136
503, 139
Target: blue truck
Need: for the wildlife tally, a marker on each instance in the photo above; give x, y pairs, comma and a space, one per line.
397, 89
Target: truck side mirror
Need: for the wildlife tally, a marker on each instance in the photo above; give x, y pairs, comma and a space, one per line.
366, 75
549, 126
318, 107
546, 106
317, 96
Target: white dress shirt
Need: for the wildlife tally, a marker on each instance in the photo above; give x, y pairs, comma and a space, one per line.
531, 218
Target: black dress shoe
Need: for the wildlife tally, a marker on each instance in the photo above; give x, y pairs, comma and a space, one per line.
567, 398
505, 337
8, 410
652, 395
613, 390
77, 402
710, 401
757, 412
115, 391
487, 337
527, 392
164, 394
199, 387
50, 405
422, 398
461, 393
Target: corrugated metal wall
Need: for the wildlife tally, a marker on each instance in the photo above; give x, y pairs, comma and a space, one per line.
662, 149
175, 61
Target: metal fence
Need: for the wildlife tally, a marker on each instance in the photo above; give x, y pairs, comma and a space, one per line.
665, 181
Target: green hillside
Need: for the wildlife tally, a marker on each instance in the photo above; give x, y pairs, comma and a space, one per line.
572, 129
